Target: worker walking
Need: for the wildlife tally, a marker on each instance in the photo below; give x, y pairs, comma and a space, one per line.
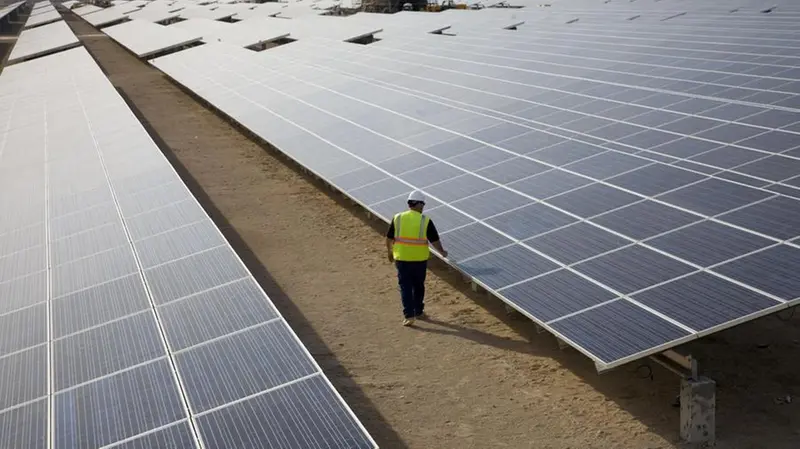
407, 246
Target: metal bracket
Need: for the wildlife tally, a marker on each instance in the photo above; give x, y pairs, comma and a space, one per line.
683, 365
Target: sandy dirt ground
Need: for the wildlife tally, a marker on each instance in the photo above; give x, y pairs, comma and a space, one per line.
473, 377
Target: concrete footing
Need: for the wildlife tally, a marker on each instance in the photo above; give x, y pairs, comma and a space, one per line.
698, 410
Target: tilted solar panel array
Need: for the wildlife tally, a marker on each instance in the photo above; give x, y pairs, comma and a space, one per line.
126, 319
630, 188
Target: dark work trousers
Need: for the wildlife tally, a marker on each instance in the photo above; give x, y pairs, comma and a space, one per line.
411, 277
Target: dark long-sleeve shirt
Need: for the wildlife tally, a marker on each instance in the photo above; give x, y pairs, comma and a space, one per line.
433, 234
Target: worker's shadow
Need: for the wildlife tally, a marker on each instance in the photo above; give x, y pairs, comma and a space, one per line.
477, 336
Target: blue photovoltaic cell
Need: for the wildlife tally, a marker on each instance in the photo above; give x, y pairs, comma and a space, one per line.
23, 292
606, 165
445, 218
617, 330
176, 436
225, 370
379, 191
713, 196
406, 162
215, 313
452, 147
308, 410
512, 170
777, 217
144, 398
730, 133
645, 219
480, 158
728, 157
460, 187
430, 174
491, 202
592, 200
23, 329
500, 132
773, 270
507, 266
358, 178
773, 168
702, 301
633, 268
25, 426
708, 243
556, 294
194, 274
577, 242
97, 305
530, 142
685, 147
530, 221
106, 349
565, 152
24, 377
655, 179
472, 240
549, 183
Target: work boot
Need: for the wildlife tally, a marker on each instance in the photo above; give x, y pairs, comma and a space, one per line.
408, 321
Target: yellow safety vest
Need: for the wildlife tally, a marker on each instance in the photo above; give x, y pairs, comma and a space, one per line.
411, 237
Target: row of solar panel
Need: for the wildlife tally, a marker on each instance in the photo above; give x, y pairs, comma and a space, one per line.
592, 114
336, 148
111, 274
556, 75
650, 61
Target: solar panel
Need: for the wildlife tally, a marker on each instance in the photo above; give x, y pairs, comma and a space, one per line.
592, 210
127, 319
145, 39
314, 26
9, 9
206, 12
269, 9
42, 19
247, 34
43, 40
87, 9
154, 14
203, 27
110, 15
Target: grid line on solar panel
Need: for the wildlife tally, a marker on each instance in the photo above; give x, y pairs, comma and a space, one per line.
345, 151
7, 327
592, 45
574, 57
276, 114
766, 153
651, 89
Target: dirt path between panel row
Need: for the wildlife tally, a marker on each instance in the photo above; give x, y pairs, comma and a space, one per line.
474, 377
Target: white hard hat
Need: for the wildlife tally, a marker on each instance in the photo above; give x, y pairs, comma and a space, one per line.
416, 195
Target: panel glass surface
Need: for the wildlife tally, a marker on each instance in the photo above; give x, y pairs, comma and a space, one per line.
96, 247
617, 114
